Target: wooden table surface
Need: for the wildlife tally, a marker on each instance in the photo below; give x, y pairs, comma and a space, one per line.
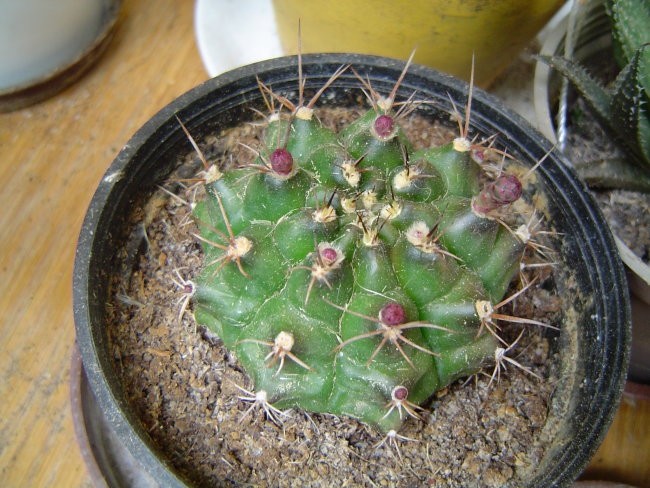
52, 156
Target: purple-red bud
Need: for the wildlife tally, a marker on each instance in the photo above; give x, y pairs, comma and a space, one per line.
329, 255
506, 189
392, 314
281, 161
384, 126
400, 393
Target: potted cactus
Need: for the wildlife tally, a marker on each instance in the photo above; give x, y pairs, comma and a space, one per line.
616, 88
348, 273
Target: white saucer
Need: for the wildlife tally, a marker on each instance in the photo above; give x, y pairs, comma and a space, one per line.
233, 33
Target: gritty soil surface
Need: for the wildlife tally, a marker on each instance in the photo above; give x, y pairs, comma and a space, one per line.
188, 391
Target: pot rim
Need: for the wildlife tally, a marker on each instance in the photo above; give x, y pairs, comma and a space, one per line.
486, 110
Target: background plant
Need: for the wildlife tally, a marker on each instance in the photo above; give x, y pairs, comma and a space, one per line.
622, 107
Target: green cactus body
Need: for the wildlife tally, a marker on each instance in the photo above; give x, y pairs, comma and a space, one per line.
344, 270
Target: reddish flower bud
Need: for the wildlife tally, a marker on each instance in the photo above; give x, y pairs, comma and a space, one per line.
281, 161
392, 314
384, 126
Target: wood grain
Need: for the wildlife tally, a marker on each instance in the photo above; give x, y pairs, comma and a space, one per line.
52, 157
624, 456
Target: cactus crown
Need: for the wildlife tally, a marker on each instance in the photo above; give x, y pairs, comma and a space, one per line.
350, 273
622, 108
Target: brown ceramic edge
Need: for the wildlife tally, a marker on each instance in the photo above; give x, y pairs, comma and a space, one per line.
79, 423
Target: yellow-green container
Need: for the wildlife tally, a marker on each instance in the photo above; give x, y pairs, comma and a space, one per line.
445, 33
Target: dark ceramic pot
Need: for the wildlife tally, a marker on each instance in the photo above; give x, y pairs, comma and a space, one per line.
593, 352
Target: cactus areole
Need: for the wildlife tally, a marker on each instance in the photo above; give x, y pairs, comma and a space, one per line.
343, 269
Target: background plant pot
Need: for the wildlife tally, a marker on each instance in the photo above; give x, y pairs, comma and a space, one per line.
446, 34
593, 352
590, 43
